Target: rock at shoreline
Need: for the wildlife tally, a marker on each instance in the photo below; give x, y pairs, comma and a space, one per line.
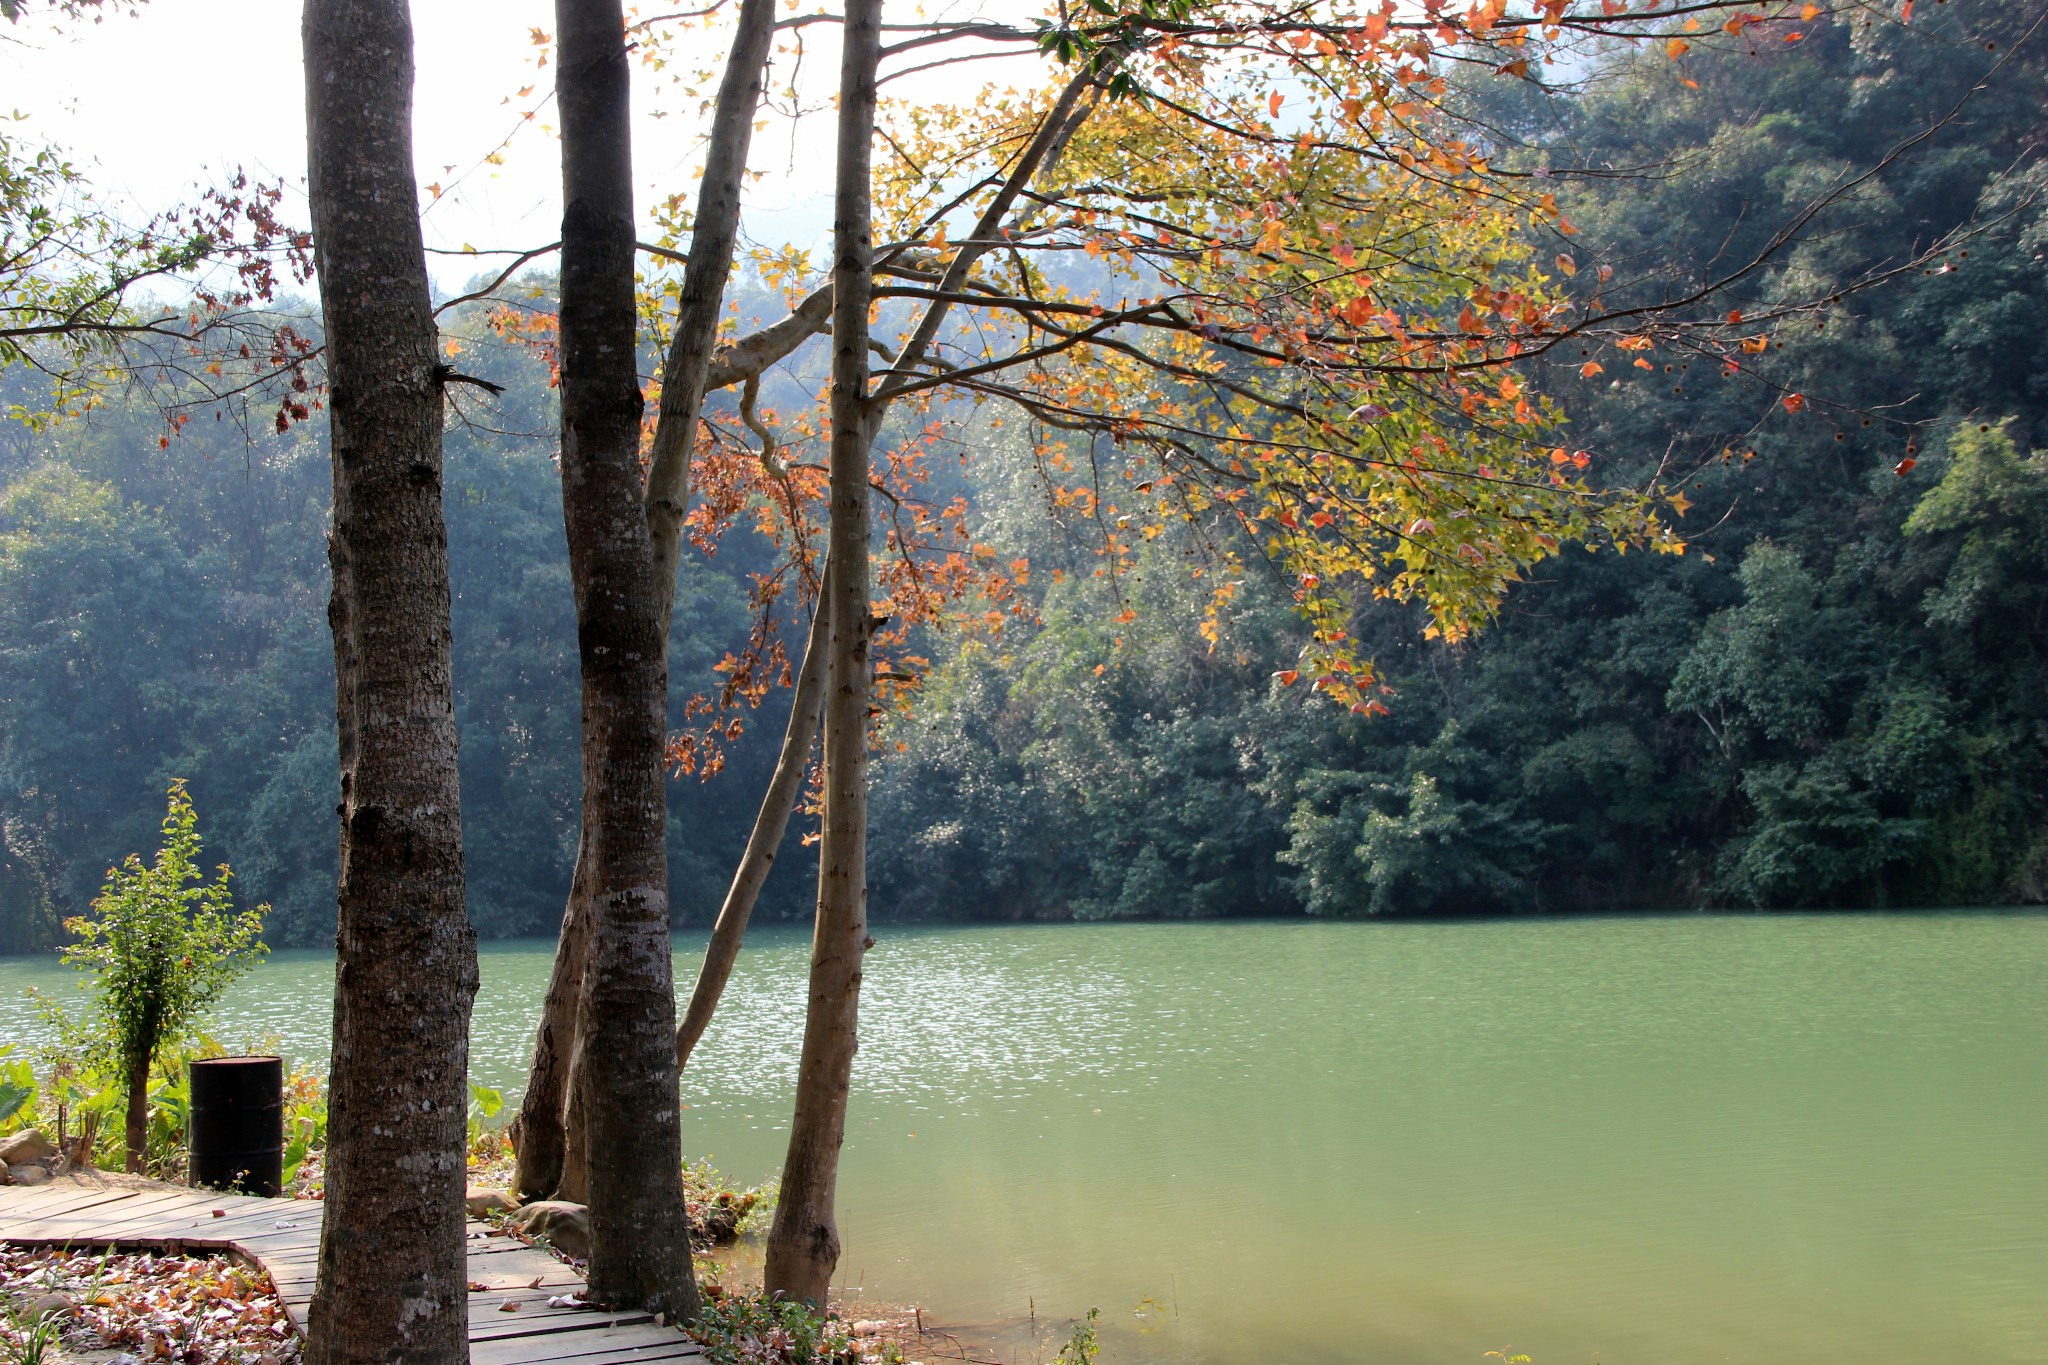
27, 1145
566, 1226
5, 1177
52, 1305
483, 1201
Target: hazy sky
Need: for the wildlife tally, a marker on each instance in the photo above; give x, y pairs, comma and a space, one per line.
188, 89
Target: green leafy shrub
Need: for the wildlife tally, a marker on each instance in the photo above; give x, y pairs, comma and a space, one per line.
161, 944
1082, 1348
747, 1329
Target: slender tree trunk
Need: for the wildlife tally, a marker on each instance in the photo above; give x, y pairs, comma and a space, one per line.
714, 230
575, 1183
137, 1134
771, 822
544, 1111
626, 1079
537, 1168
803, 1244
391, 1282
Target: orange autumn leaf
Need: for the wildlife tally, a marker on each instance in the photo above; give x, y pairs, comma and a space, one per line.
1795, 402
1591, 368
1677, 48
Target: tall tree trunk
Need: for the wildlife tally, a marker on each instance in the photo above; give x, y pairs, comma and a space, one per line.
771, 822
406, 969
803, 1244
543, 1111
542, 1140
626, 1080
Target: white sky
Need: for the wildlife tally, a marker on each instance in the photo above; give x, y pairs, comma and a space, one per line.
178, 95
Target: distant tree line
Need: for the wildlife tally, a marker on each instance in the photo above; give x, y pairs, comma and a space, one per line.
162, 614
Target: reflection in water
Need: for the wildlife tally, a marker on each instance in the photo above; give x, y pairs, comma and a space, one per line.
1795, 1139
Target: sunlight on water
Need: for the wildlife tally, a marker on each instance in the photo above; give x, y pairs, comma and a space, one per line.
1800, 1140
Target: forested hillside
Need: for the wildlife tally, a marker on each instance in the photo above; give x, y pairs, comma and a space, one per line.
1839, 696
162, 613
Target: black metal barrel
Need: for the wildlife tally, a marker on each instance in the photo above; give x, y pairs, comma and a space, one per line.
238, 1123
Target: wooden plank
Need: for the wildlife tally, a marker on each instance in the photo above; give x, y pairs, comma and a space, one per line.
499, 1326
589, 1348
595, 1348
256, 1219
32, 1200
110, 1215
36, 1205
533, 1303
90, 1225
145, 1214
167, 1213
527, 1261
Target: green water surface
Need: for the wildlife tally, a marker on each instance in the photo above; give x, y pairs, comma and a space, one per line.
1785, 1140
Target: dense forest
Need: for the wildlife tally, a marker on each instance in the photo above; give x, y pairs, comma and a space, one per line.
1836, 698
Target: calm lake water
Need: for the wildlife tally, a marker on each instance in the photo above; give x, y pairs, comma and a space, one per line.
1785, 1140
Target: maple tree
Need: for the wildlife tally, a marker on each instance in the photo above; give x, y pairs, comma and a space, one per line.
1262, 265
1230, 265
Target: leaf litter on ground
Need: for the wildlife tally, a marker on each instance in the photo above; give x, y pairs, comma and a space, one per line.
149, 1307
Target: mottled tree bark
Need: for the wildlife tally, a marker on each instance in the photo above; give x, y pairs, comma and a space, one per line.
542, 1140
546, 1130
626, 1079
803, 1243
391, 1284
136, 1134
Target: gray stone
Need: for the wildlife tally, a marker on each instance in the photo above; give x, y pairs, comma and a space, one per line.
565, 1226
30, 1174
27, 1145
51, 1305
483, 1200
5, 1178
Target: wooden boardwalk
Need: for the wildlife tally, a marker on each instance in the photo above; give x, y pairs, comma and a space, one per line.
283, 1237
